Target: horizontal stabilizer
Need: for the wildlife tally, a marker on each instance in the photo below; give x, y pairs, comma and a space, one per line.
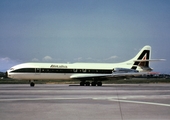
150, 60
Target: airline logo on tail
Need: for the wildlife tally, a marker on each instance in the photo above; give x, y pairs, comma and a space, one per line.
142, 61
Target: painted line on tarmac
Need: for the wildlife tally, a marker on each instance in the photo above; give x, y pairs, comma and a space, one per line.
105, 98
32, 99
136, 102
140, 102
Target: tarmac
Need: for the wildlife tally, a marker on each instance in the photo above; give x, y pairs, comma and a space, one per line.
74, 102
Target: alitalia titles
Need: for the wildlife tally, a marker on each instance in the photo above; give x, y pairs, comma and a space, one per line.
58, 66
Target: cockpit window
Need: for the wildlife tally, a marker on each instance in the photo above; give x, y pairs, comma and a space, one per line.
11, 69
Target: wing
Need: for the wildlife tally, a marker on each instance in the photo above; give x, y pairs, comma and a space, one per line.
105, 76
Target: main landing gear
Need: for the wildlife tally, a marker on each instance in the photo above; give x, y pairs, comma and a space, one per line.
83, 83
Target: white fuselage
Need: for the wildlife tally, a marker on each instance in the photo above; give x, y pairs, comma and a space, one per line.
51, 71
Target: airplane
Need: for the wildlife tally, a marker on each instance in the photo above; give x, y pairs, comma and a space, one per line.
85, 72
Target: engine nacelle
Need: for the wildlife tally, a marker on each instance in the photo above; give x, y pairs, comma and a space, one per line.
124, 70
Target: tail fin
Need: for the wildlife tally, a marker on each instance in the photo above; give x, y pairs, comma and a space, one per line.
141, 60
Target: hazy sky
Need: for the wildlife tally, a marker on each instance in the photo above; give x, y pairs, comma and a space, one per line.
83, 31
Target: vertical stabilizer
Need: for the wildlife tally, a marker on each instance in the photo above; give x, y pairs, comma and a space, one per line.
141, 60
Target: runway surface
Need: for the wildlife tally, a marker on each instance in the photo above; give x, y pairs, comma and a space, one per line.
64, 102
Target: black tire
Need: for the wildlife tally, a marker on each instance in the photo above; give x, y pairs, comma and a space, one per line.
93, 84
32, 84
87, 83
82, 83
99, 83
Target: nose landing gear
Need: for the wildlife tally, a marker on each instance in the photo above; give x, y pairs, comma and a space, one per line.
32, 84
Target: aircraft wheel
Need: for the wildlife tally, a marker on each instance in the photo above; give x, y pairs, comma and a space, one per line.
32, 84
82, 83
99, 83
87, 83
93, 84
